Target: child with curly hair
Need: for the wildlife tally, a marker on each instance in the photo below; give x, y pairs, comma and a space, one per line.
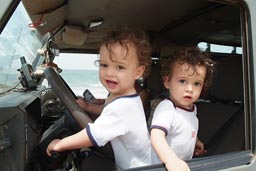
124, 58
186, 75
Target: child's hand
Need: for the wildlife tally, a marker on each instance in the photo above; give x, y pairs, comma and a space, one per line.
199, 149
82, 103
99, 101
53, 146
177, 165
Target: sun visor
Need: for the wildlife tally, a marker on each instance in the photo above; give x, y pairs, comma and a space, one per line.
40, 6
74, 35
46, 18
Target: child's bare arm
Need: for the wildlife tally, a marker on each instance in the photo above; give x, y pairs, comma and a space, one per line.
199, 149
75, 141
165, 153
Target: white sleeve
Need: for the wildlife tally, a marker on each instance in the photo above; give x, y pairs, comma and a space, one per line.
107, 127
163, 116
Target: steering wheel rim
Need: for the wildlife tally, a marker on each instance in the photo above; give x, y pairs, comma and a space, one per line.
66, 96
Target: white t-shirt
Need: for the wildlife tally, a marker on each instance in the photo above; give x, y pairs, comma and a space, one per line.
123, 123
180, 126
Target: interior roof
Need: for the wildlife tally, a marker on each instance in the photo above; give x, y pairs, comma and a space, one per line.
150, 15
178, 21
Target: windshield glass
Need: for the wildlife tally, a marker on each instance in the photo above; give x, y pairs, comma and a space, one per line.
81, 73
16, 40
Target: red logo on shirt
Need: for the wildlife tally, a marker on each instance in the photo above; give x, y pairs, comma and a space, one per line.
193, 134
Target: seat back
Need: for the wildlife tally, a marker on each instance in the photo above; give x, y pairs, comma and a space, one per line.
221, 116
154, 81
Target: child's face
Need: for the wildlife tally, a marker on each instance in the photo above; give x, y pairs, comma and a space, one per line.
185, 84
119, 72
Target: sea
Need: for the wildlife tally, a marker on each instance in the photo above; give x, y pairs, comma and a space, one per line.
80, 80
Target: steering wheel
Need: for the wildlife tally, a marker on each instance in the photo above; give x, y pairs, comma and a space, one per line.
69, 99
66, 96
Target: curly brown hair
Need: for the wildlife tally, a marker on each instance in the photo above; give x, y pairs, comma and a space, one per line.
137, 37
193, 56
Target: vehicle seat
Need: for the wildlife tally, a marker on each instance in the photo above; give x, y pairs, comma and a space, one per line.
156, 89
221, 115
155, 81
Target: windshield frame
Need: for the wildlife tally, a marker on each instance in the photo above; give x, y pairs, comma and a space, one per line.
6, 10
18, 40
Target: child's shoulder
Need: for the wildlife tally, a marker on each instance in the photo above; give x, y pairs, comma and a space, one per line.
165, 105
124, 100
166, 102
127, 97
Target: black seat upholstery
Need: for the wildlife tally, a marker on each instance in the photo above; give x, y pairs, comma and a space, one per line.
221, 116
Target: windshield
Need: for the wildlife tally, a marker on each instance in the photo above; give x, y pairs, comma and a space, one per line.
16, 40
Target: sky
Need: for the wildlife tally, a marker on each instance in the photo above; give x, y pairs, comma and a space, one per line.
76, 61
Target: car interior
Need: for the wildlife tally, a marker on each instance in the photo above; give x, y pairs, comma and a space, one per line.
216, 26
77, 27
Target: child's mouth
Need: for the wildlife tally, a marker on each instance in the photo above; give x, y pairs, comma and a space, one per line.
188, 97
111, 84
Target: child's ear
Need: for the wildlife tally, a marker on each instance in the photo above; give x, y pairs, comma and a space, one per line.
166, 81
140, 71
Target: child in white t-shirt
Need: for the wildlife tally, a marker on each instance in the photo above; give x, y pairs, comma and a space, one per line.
174, 126
124, 58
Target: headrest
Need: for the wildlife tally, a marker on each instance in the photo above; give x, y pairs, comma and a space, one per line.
154, 81
168, 50
228, 81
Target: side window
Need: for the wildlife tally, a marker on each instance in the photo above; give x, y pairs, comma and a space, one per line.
216, 48
222, 114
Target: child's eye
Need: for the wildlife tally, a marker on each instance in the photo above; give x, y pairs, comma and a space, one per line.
120, 67
197, 84
102, 65
182, 81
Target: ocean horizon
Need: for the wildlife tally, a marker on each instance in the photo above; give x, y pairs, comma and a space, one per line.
80, 80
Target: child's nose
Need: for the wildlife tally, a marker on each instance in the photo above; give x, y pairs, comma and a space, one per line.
189, 88
110, 71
